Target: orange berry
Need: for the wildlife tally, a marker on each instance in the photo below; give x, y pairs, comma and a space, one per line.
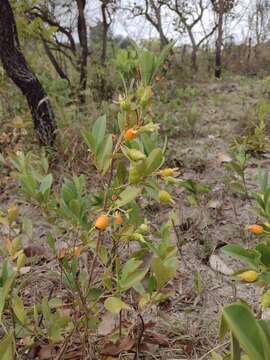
102, 222
130, 134
118, 219
114, 197
256, 229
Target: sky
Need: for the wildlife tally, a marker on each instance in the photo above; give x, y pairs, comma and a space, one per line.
139, 28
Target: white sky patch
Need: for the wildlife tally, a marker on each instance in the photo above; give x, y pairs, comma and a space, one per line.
139, 28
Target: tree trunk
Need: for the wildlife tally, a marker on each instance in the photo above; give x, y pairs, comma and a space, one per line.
17, 69
105, 28
54, 62
219, 40
194, 59
82, 33
194, 50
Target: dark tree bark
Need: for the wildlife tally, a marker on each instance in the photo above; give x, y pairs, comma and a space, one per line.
219, 40
54, 62
105, 29
17, 69
82, 32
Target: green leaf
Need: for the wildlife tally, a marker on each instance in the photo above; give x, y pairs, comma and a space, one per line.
264, 250
153, 161
216, 356
162, 272
7, 348
223, 328
133, 279
98, 131
131, 274
128, 195
235, 349
248, 256
4, 291
115, 305
27, 226
247, 331
146, 65
265, 300
18, 308
130, 266
94, 293
105, 154
46, 184
89, 140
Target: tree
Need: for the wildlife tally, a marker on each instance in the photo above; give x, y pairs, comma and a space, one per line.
15, 64
221, 8
62, 16
152, 11
108, 7
259, 19
189, 16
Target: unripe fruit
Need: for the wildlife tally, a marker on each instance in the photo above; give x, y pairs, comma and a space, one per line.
130, 134
166, 172
248, 276
124, 103
134, 176
137, 237
164, 196
102, 222
118, 219
143, 228
135, 155
256, 229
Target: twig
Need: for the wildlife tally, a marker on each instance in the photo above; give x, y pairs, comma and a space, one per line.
214, 349
140, 332
179, 245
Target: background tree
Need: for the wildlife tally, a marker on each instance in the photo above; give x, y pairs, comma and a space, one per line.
221, 8
151, 10
189, 15
18, 70
67, 19
259, 20
108, 8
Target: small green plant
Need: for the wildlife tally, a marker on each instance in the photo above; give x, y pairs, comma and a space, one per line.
236, 168
250, 335
130, 261
187, 93
266, 87
33, 177
196, 190
256, 139
190, 120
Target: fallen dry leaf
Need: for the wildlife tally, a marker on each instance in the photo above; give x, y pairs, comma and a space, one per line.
46, 352
224, 158
25, 269
124, 344
217, 264
155, 338
108, 324
34, 250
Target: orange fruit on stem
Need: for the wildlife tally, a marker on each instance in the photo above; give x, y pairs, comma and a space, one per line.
102, 222
118, 219
130, 134
256, 229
